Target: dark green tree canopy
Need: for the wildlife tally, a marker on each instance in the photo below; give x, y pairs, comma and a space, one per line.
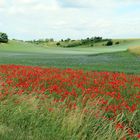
109, 43
3, 37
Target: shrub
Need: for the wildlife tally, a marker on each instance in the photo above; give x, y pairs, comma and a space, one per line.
117, 43
58, 44
3, 37
109, 43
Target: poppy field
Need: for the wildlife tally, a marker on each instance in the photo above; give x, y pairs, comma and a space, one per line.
107, 97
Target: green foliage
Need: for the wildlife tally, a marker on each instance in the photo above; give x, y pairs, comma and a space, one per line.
109, 43
3, 37
92, 40
68, 43
117, 42
41, 41
58, 43
67, 40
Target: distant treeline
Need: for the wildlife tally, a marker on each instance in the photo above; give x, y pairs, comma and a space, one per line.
38, 41
92, 39
67, 43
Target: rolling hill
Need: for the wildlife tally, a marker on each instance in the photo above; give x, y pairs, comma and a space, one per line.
97, 58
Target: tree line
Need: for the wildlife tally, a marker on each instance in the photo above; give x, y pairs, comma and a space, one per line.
66, 43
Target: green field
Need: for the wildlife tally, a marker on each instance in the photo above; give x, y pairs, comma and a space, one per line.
31, 108
100, 58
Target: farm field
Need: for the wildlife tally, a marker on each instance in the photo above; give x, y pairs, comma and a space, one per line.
91, 58
135, 50
81, 93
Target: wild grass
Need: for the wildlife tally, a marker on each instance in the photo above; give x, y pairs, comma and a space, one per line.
27, 118
134, 50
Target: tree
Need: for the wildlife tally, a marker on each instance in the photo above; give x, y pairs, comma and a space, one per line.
67, 40
51, 40
117, 43
97, 39
3, 37
109, 43
58, 44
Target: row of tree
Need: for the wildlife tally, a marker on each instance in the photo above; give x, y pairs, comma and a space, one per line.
88, 41
73, 43
38, 41
69, 42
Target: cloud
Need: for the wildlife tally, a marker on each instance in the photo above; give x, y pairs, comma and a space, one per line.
2, 4
28, 19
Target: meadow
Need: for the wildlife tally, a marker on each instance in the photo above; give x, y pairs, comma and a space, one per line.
134, 50
114, 58
80, 93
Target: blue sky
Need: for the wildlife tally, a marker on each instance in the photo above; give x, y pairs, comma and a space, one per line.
33, 19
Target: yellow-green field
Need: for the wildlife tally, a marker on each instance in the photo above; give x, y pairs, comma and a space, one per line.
134, 50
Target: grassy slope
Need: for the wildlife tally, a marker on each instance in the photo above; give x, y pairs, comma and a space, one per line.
134, 50
124, 42
90, 58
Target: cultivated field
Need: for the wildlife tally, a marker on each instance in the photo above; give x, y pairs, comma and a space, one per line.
134, 50
88, 58
80, 93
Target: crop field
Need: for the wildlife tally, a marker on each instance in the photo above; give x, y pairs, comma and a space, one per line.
81, 93
115, 58
135, 50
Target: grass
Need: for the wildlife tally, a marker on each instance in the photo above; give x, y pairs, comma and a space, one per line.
28, 118
25, 121
115, 58
134, 50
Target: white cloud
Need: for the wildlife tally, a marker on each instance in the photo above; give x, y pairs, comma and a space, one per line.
2, 4
29, 19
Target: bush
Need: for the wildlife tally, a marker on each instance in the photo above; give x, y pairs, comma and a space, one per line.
109, 43
3, 37
58, 44
117, 43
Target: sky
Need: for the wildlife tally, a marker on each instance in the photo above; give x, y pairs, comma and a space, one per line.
75, 19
